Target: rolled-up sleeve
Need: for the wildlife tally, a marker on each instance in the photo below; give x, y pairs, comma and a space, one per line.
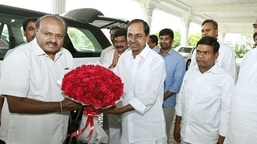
137, 105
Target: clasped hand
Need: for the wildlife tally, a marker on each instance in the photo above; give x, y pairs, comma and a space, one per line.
110, 110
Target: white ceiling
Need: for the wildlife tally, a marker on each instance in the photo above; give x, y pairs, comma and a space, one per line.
233, 16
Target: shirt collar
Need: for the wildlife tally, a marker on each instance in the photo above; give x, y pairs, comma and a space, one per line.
143, 53
214, 69
170, 51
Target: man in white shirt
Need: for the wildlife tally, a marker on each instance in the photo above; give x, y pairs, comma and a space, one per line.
29, 28
120, 44
35, 110
110, 61
226, 59
106, 50
102, 61
242, 123
202, 109
142, 71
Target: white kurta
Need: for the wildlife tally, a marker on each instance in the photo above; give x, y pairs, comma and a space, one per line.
104, 52
29, 72
108, 58
203, 103
243, 119
143, 79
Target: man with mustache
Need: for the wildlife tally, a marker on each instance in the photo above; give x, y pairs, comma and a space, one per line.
35, 110
202, 109
175, 69
142, 71
29, 28
106, 50
226, 59
110, 61
120, 44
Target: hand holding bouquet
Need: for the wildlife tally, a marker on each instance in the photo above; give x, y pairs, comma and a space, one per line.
97, 88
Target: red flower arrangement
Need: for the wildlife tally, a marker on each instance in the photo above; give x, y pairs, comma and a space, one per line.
92, 85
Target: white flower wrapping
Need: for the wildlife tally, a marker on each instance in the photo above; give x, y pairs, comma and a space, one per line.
93, 133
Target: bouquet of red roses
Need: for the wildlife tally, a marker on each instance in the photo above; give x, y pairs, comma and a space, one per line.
92, 85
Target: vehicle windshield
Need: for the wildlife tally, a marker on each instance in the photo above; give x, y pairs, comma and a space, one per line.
83, 40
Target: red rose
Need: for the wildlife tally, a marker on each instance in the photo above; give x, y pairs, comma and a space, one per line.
93, 85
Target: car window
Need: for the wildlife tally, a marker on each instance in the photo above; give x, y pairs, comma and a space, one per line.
83, 40
187, 50
4, 40
10, 31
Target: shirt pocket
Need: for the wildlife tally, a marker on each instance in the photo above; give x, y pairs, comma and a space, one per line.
141, 84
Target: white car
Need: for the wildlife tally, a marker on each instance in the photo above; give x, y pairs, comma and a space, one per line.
186, 52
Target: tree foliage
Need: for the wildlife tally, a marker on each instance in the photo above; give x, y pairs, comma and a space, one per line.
176, 40
193, 39
240, 49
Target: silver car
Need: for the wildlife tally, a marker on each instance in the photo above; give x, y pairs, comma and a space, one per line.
186, 52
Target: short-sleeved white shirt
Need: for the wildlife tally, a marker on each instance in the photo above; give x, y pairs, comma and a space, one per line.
29, 72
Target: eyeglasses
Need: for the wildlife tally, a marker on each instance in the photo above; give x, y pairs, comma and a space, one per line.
254, 25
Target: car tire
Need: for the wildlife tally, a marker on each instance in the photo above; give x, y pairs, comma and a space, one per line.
188, 63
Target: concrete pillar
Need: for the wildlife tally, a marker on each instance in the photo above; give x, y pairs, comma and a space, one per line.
58, 6
184, 31
147, 9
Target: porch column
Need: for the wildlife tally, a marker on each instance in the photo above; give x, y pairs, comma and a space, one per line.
58, 6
